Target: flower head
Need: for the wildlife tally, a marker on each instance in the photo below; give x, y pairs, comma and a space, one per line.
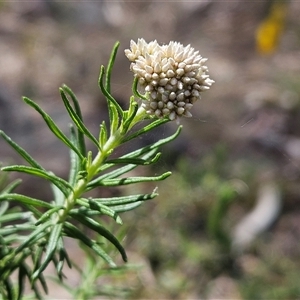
173, 76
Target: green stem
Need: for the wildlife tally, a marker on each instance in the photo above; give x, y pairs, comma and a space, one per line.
113, 142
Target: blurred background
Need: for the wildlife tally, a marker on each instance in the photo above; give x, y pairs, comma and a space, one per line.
227, 223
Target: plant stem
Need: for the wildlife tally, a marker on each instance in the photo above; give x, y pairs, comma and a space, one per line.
113, 142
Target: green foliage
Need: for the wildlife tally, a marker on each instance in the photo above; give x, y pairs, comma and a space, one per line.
33, 239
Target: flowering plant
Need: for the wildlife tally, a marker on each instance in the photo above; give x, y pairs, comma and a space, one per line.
171, 79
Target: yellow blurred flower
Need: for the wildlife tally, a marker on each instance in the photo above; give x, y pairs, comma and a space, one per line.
269, 31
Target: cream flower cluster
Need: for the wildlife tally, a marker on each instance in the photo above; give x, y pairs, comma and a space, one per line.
173, 76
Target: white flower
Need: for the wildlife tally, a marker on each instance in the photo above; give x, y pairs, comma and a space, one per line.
173, 76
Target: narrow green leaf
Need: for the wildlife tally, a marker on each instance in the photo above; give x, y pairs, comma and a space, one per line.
131, 114
155, 145
21, 281
63, 185
37, 292
11, 294
119, 171
25, 200
10, 262
114, 201
76, 119
3, 208
52, 126
114, 173
89, 160
114, 121
110, 65
9, 217
103, 209
12, 229
27, 270
37, 256
42, 280
114, 109
146, 129
86, 211
21, 151
36, 235
13, 238
4, 248
132, 107
107, 94
119, 205
130, 180
103, 134
81, 141
11, 186
74, 99
74, 232
109, 105
135, 91
35, 211
95, 226
34, 287
135, 161
50, 250
75, 163
48, 214
58, 195
63, 256
126, 207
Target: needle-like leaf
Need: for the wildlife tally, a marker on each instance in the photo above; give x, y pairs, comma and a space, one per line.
21, 151
110, 65
103, 209
50, 250
52, 126
81, 141
63, 185
72, 231
76, 119
25, 200
114, 201
130, 180
40, 232
75, 163
95, 226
